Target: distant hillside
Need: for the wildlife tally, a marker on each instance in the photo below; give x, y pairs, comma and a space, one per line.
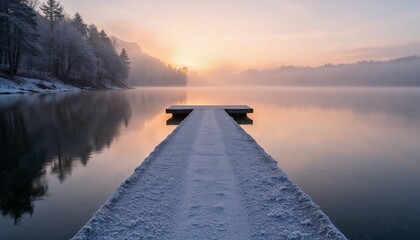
147, 70
396, 72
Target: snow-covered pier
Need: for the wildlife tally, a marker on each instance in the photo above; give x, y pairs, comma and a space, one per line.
230, 109
209, 179
238, 112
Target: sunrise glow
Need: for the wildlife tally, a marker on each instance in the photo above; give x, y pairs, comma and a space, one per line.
264, 34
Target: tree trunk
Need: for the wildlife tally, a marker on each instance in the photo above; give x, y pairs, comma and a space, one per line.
14, 52
1, 56
17, 56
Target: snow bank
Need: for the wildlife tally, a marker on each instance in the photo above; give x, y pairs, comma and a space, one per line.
27, 85
209, 180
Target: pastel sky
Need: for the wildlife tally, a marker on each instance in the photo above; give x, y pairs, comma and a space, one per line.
242, 34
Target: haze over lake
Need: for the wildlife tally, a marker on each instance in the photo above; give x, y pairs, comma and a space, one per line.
331, 89
354, 151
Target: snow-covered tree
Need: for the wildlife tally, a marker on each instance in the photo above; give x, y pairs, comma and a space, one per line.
17, 32
53, 11
79, 24
104, 37
72, 51
76, 59
73, 58
110, 64
93, 35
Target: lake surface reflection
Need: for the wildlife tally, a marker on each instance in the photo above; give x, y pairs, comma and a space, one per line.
356, 152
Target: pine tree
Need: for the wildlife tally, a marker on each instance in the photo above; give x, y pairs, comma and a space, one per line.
103, 34
125, 60
92, 35
124, 57
53, 11
104, 37
79, 24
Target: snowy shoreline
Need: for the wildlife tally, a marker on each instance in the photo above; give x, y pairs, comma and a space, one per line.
19, 85
209, 179
30, 85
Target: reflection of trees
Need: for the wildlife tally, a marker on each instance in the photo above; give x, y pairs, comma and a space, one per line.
54, 130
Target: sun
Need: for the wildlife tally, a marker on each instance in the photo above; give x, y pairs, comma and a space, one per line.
181, 61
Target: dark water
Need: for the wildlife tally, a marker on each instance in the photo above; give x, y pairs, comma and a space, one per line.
356, 152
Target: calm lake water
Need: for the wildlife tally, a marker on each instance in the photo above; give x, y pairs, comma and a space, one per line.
356, 152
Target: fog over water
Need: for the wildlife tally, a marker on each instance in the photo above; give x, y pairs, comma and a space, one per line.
335, 88
354, 151
401, 72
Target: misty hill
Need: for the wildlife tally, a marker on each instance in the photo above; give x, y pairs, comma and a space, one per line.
147, 70
397, 72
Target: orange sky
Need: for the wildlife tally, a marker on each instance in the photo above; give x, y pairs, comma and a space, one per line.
242, 34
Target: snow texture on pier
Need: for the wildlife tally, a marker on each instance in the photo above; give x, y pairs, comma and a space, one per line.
209, 179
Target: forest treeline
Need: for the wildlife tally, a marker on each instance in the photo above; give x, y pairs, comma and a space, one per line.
40, 40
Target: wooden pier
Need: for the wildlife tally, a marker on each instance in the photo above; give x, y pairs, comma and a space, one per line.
237, 112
